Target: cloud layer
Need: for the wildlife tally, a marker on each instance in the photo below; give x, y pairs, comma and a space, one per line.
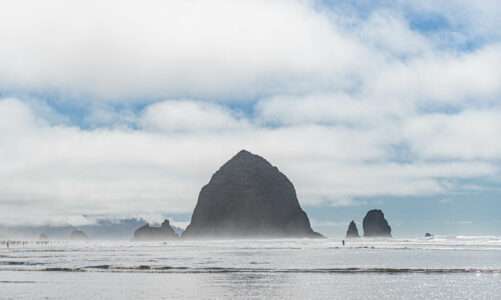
123, 109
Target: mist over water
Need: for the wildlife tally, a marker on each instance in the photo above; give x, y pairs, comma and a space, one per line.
460, 267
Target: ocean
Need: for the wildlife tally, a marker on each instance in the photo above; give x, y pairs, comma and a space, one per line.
458, 267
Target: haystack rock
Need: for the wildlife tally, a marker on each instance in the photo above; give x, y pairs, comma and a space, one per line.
375, 225
78, 235
149, 233
352, 231
248, 197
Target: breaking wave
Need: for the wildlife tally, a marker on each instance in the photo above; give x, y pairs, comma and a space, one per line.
349, 270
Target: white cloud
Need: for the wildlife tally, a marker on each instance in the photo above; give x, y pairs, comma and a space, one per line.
189, 116
323, 109
60, 170
391, 33
469, 135
14, 115
479, 19
442, 78
346, 106
127, 49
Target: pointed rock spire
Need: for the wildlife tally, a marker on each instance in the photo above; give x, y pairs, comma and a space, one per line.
352, 231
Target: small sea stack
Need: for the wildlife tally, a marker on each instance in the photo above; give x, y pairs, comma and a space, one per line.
78, 235
352, 231
150, 233
43, 237
375, 225
246, 198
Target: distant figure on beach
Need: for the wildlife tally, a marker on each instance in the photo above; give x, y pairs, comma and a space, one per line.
343, 243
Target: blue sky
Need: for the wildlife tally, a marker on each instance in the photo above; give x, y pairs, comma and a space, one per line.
121, 109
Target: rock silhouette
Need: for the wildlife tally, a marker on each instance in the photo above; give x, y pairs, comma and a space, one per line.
352, 231
248, 197
78, 235
149, 233
375, 225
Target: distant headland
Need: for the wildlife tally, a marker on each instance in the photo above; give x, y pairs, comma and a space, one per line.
149, 233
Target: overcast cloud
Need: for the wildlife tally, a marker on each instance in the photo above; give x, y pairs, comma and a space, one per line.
122, 108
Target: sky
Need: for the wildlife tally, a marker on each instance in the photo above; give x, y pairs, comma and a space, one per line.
119, 109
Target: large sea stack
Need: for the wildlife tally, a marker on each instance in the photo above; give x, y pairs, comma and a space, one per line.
352, 231
149, 233
248, 197
375, 225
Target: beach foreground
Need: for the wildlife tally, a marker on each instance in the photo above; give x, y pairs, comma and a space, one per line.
442, 268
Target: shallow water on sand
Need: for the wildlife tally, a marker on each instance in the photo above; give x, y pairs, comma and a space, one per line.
442, 268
